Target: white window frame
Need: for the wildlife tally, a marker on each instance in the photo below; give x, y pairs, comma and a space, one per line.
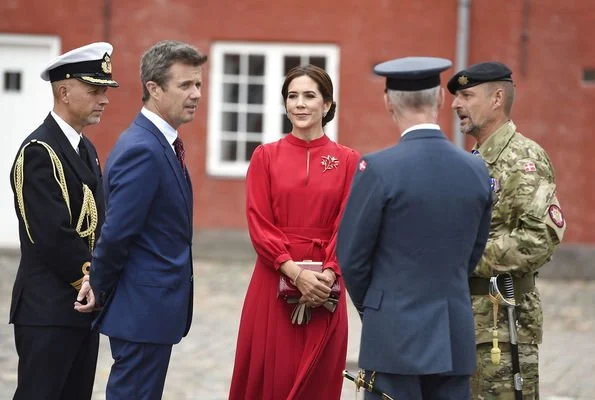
274, 54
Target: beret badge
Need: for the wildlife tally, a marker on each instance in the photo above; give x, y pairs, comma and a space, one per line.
463, 80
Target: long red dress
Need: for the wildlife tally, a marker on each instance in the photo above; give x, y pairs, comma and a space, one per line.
296, 191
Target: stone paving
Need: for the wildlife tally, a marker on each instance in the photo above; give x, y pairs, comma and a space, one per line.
202, 363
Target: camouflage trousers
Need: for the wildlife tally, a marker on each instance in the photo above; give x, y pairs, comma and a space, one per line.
494, 382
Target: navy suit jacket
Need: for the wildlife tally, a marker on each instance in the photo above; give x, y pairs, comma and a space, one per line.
142, 266
415, 225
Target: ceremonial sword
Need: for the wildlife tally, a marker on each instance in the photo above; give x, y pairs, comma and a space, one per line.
360, 382
507, 299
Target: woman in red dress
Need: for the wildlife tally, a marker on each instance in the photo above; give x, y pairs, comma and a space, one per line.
296, 189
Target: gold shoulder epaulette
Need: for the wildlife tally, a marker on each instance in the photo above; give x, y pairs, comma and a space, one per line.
88, 210
19, 179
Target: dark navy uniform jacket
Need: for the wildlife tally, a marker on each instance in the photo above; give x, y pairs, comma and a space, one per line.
51, 264
414, 228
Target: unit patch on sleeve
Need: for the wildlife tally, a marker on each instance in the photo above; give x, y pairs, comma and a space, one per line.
556, 215
362, 165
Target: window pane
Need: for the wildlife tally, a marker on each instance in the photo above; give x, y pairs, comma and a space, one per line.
231, 92
229, 150
250, 147
290, 62
319, 62
287, 127
231, 64
255, 94
230, 121
589, 75
12, 81
254, 122
256, 65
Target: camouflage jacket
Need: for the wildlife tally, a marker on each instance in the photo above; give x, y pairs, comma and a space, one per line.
527, 224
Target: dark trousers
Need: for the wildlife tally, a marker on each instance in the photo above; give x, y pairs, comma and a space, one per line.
139, 370
55, 363
421, 387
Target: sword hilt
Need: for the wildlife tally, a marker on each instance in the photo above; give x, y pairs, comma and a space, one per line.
360, 382
508, 287
497, 295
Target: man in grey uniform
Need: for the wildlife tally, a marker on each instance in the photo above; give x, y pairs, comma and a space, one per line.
414, 227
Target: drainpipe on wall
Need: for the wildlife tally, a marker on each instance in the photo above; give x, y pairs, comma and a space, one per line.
107, 17
463, 13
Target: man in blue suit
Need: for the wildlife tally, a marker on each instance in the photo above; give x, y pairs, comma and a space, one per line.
414, 227
141, 271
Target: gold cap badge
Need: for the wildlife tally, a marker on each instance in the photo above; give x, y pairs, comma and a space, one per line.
463, 80
106, 65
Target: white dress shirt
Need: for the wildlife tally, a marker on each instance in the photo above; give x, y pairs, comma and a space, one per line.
166, 129
420, 126
73, 136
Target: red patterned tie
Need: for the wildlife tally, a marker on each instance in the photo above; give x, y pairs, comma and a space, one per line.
179, 147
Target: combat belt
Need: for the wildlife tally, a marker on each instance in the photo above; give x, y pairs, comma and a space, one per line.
88, 215
522, 285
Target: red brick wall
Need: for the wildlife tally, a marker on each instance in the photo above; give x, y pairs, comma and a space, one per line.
553, 107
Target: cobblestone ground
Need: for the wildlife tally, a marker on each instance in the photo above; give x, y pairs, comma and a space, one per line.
201, 365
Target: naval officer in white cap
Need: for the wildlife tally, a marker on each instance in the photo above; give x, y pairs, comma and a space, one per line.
414, 227
56, 180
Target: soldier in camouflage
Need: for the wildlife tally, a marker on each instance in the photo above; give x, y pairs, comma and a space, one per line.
527, 224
